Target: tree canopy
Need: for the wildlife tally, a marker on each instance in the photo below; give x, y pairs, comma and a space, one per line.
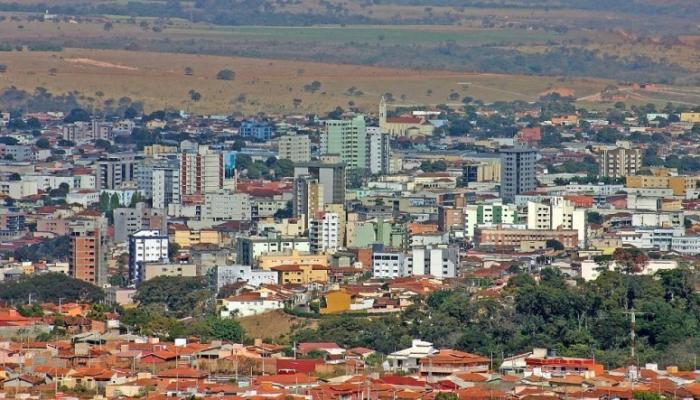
50, 287
575, 318
178, 296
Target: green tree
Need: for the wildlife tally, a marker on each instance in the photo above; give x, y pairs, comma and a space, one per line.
594, 217
43, 143
77, 114
114, 202
48, 288
554, 245
226, 75
226, 329
178, 296
446, 396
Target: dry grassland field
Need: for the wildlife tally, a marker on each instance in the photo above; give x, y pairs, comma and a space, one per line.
355, 64
260, 326
260, 85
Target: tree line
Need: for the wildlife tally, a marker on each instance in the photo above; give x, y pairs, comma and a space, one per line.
588, 319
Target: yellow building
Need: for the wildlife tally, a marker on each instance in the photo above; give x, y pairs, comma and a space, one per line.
679, 184
334, 302
150, 151
671, 205
403, 126
693, 117
267, 261
301, 274
189, 238
565, 120
286, 227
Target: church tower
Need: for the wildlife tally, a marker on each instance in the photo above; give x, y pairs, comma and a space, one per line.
382, 114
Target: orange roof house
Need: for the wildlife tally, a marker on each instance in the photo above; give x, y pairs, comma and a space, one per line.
11, 317
448, 362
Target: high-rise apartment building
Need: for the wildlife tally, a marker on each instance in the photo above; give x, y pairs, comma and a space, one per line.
88, 250
112, 172
348, 139
330, 175
308, 197
439, 261
378, 151
165, 185
146, 246
296, 148
488, 214
202, 171
323, 233
517, 171
619, 162
131, 220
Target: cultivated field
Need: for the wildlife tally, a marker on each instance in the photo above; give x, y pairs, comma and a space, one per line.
261, 85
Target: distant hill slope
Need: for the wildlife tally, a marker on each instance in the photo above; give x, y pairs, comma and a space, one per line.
306, 12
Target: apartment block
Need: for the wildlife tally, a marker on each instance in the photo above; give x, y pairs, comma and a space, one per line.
512, 237
87, 260
488, 214
517, 171
296, 148
146, 246
620, 161
128, 221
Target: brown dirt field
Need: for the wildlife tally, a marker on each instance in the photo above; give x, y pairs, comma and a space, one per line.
268, 86
273, 325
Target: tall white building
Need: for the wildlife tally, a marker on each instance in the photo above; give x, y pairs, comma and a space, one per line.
557, 214
165, 186
146, 246
323, 233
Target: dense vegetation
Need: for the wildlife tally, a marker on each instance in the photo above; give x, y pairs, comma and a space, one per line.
180, 297
51, 250
173, 307
50, 287
588, 319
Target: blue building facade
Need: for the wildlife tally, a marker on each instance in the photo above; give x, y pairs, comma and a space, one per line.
255, 129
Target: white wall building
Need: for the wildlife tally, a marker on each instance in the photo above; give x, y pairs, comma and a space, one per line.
658, 219
18, 189
226, 206
228, 274
437, 261
388, 265
557, 214
408, 360
248, 304
487, 215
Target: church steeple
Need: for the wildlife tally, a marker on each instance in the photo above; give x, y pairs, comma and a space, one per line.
382, 112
